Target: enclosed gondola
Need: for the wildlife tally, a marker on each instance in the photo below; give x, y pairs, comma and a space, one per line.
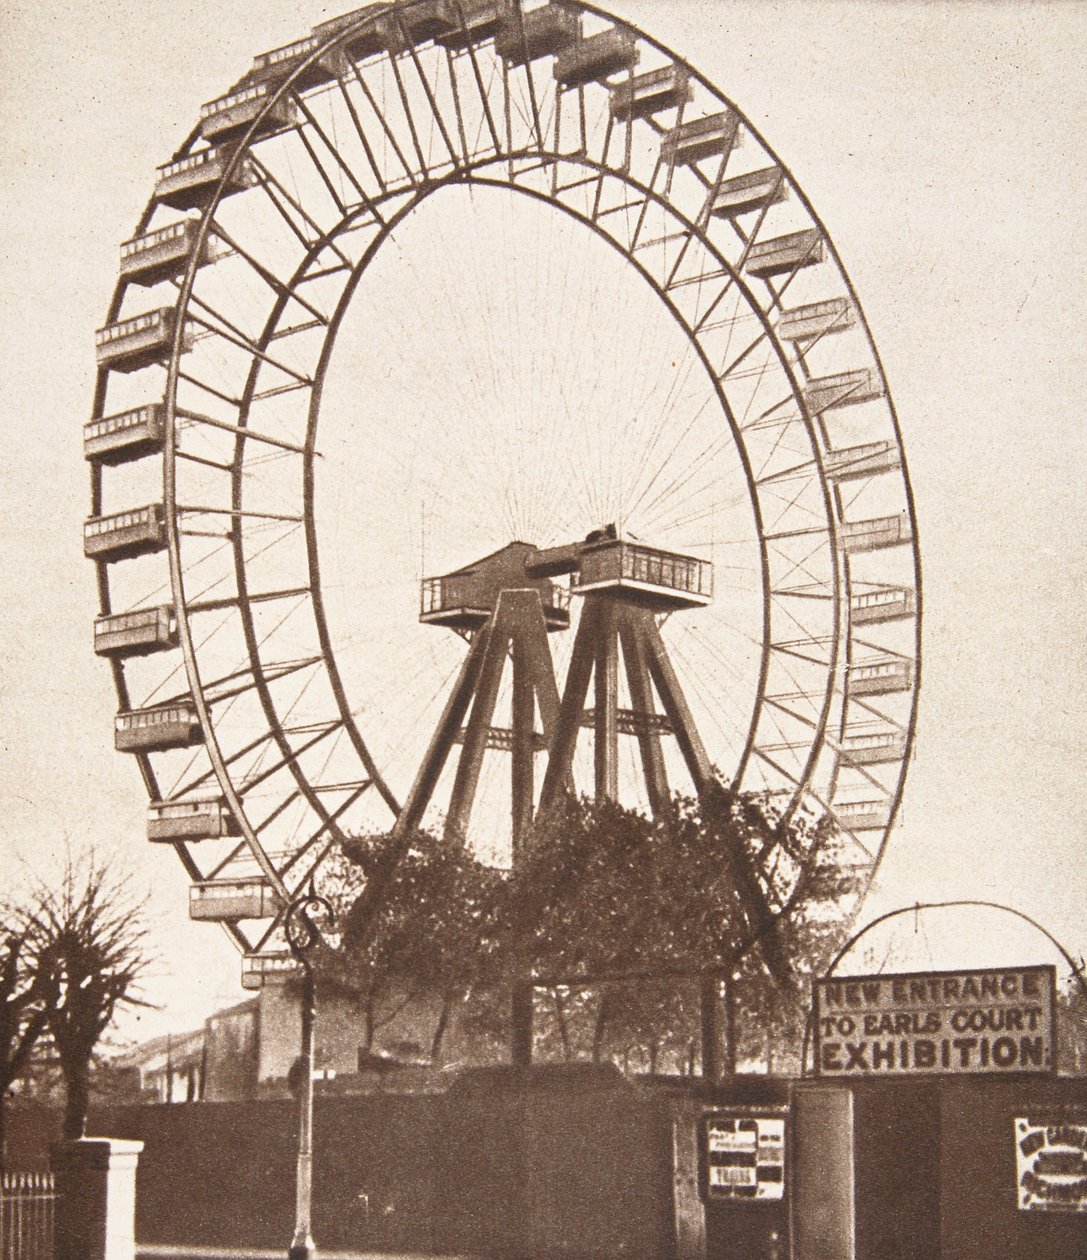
140, 341
651, 93
206, 818
596, 58
189, 182
701, 138
544, 32
137, 633
272, 967
876, 533
155, 256
785, 254
126, 436
125, 535
159, 728
886, 603
229, 900
227, 117
877, 678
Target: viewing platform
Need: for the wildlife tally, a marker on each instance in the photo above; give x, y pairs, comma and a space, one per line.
666, 580
466, 598
602, 562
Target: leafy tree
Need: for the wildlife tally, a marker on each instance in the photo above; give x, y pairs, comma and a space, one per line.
605, 891
602, 892
27, 992
1071, 1020
95, 949
424, 939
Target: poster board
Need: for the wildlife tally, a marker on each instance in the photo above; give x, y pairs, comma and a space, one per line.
1051, 1163
743, 1155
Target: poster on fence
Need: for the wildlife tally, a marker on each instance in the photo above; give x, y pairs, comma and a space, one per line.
743, 1155
1051, 1163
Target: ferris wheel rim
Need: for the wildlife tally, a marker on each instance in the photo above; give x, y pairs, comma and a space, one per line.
840, 637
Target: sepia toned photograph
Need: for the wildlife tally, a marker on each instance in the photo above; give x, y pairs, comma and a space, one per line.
543, 670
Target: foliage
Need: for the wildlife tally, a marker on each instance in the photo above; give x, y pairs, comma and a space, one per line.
427, 937
600, 893
1071, 1020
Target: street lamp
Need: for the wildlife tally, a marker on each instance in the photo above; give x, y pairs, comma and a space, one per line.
302, 935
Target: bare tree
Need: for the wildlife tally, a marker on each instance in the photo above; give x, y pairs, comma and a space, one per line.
95, 947
27, 993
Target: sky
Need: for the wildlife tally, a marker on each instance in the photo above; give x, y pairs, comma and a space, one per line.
941, 145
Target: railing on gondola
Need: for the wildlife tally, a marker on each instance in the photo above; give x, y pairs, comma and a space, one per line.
26, 1216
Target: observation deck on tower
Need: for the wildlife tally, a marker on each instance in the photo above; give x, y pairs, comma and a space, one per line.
603, 563
466, 598
665, 580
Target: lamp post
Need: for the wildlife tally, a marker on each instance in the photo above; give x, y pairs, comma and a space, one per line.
302, 935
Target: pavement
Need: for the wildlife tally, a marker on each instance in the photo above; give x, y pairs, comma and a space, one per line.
164, 1252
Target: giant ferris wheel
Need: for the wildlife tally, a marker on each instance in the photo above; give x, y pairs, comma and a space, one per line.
483, 414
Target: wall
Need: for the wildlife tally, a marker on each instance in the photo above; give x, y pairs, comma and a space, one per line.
934, 1169
230, 1053
896, 1163
577, 1165
979, 1211
571, 1166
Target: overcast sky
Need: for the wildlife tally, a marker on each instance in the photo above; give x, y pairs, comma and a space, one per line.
942, 145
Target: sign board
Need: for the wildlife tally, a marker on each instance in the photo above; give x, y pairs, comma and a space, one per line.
993, 1021
743, 1155
1051, 1163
